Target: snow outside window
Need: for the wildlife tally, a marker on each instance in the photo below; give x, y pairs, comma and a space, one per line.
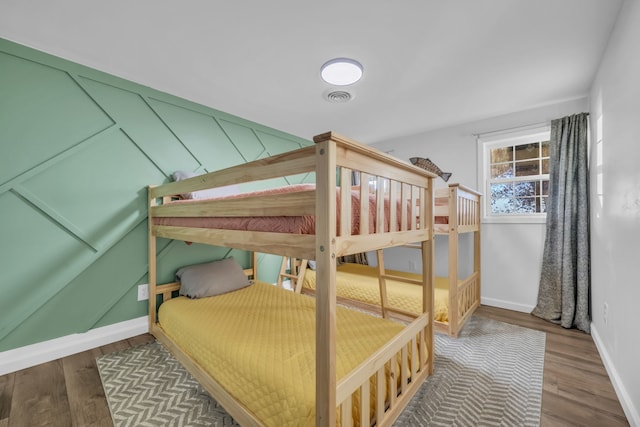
514, 168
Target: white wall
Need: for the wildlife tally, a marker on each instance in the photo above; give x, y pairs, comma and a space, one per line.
615, 209
511, 253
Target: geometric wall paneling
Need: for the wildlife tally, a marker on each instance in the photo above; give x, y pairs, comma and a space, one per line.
142, 125
200, 134
78, 306
125, 308
38, 259
277, 145
78, 148
244, 138
179, 254
125, 264
44, 112
268, 267
100, 189
266, 183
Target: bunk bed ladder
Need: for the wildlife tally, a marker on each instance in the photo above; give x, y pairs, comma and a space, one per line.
385, 307
292, 269
382, 279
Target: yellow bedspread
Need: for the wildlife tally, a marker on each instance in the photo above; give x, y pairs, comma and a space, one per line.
360, 283
259, 344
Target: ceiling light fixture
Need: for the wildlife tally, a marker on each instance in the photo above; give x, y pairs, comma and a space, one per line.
341, 71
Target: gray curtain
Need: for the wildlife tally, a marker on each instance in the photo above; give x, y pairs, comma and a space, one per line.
564, 293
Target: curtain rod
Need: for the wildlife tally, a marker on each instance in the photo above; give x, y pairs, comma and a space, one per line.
511, 129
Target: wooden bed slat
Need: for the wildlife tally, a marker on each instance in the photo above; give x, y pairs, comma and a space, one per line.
301, 245
345, 205
365, 418
364, 207
380, 218
299, 203
289, 163
345, 413
403, 279
380, 393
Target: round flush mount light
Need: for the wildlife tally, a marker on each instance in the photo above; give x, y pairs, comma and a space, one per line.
341, 71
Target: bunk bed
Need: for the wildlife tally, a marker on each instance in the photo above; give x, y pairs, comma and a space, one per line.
399, 212
394, 293
456, 212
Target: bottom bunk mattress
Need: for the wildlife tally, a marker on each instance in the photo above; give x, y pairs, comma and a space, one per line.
360, 283
259, 344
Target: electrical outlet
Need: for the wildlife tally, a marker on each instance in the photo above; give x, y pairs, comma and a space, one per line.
143, 292
605, 313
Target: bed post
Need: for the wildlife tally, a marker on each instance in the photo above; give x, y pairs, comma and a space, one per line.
254, 264
382, 283
152, 263
454, 311
326, 283
477, 260
428, 271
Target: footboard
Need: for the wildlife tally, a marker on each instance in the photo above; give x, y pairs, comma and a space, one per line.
468, 299
395, 372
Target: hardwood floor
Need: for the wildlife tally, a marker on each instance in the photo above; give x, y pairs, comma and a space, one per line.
576, 388
67, 392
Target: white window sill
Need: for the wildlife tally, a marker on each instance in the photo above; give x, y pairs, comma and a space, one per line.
515, 219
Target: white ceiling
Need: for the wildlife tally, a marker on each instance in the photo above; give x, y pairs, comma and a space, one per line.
428, 63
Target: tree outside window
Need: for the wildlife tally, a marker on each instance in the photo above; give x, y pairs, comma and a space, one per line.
516, 174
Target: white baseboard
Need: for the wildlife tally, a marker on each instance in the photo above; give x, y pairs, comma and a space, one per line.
493, 302
46, 351
630, 410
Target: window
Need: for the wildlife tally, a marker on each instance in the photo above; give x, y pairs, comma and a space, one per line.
514, 168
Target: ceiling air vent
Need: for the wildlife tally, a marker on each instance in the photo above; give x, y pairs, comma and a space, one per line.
339, 96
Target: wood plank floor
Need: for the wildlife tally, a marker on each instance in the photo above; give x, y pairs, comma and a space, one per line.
576, 388
67, 392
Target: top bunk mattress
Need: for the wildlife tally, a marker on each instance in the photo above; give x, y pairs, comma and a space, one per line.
259, 344
304, 224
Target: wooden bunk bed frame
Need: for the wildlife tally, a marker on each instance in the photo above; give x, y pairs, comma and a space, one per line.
456, 211
333, 158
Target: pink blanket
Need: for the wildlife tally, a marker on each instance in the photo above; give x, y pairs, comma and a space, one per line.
283, 224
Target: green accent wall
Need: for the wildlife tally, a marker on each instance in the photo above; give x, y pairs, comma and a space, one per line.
77, 149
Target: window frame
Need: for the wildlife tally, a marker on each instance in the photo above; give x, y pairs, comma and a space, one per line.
488, 141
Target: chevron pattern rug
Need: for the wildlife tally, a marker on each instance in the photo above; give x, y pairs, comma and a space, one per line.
490, 376
146, 386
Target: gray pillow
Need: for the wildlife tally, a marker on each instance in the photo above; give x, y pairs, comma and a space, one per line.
204, 194
212, 278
